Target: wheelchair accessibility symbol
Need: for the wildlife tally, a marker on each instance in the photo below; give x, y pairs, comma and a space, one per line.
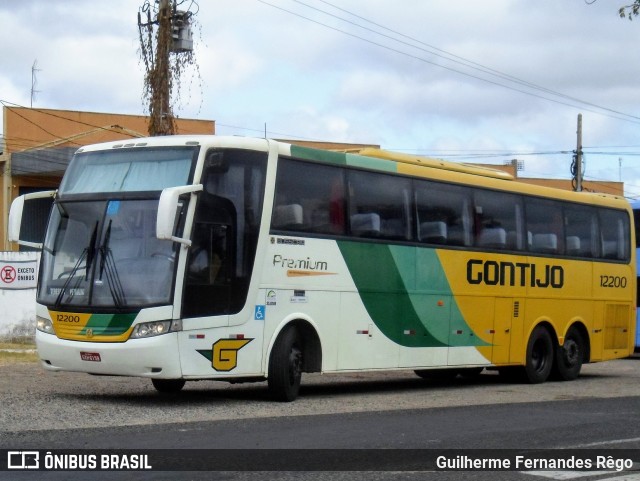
259, 313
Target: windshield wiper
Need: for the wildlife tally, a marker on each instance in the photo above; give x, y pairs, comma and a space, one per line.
91, 249
104, 249
108, 266
87, 253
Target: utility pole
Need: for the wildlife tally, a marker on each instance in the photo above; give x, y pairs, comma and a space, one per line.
161, 121
578, 158
166, 47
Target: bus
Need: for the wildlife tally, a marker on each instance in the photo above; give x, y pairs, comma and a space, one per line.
236, 259
635, 205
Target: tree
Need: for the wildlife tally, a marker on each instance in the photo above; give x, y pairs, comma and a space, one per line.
166, 49
630, 11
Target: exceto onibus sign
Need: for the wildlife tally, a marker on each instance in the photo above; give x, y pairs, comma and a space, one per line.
18, 274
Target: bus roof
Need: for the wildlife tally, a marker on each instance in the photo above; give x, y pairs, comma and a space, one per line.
378, 159
435, 163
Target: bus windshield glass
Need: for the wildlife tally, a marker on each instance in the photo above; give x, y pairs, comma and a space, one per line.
104, 253
128, 170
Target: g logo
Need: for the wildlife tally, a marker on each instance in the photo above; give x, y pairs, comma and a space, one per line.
225, 353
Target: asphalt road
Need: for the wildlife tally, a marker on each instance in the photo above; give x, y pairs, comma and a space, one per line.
378, 411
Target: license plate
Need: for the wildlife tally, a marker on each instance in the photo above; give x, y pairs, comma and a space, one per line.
90, 356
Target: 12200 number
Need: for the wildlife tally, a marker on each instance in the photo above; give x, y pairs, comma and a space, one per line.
613, 281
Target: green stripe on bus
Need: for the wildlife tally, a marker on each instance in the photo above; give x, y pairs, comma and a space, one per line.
340, 158
406, 294
306, 153
109, 324
371, 163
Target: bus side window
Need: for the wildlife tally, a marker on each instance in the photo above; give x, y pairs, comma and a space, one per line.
379, 206
309, 198
545, 226
580, 226
442, 213
614, 230
498, 220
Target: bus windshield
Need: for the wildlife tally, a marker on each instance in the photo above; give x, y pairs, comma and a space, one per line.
102, 251
128, 170
105, 253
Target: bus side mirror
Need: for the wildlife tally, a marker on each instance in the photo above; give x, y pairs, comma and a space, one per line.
167, 208
22, 212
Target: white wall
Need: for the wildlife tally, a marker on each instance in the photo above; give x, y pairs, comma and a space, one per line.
17, 306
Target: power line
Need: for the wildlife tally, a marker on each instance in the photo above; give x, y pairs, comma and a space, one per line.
476, 66
458, 59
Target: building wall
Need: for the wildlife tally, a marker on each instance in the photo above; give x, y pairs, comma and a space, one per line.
26, 128
36, 130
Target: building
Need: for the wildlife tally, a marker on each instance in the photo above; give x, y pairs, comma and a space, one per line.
604, 187
37, 145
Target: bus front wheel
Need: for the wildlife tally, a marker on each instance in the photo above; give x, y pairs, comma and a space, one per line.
285, 366
539, 356
569, 356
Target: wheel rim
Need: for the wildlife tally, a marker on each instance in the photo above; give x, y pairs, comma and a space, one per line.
295, 365
539, 356
571, 352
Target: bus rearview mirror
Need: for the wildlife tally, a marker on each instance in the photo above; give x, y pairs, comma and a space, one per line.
167, 209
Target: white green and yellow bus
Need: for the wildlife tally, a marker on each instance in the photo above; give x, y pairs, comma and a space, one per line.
225, 258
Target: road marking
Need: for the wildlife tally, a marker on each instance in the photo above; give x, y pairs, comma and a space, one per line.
560, 475
604, 443
566, 474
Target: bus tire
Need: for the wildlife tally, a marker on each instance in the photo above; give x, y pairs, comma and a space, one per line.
285, 366
168, 386
539, 361
569, 356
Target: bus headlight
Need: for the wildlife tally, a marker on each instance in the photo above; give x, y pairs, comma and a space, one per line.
150, 329
44, 325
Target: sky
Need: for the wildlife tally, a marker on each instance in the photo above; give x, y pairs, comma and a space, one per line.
466, 81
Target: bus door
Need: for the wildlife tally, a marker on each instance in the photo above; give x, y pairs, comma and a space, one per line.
506, 328
211, 259
489, 326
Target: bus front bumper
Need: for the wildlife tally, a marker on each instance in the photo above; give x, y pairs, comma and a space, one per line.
154, 357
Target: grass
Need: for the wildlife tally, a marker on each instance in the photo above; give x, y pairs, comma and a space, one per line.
17, 350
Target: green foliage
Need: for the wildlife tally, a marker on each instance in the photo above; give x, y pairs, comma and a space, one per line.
630, 11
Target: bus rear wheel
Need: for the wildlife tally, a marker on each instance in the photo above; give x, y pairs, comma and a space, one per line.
285, 366
168, 386
540, 356
569, 356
